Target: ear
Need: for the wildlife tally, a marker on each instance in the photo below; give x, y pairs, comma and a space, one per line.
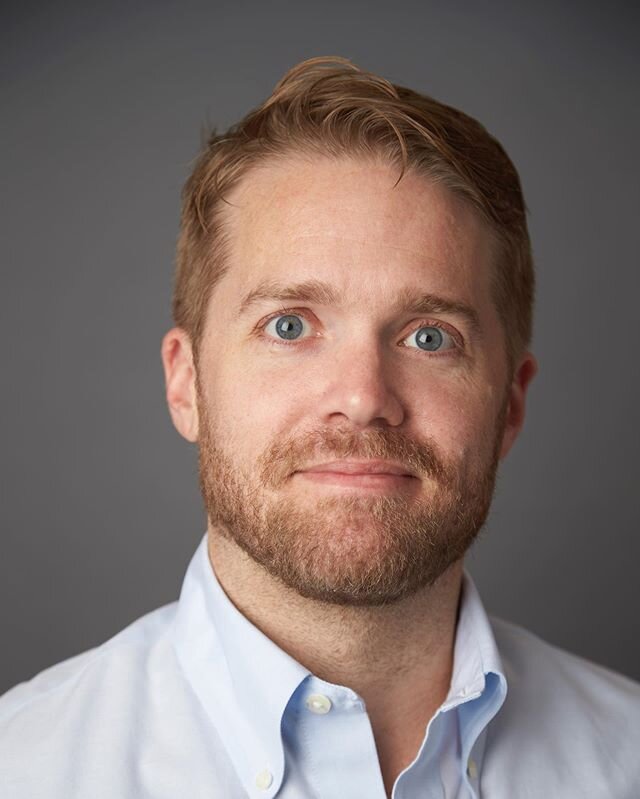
522, 377
180, 381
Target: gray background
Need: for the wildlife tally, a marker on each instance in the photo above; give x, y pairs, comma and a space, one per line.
103, 109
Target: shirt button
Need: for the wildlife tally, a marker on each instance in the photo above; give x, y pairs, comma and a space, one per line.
318, 703
472, 769
264, 779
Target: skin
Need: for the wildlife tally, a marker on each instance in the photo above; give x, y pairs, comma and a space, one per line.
359, 377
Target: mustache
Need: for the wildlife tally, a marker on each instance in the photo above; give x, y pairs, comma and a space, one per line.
289, 454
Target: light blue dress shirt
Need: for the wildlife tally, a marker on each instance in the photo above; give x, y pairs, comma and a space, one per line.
192, 701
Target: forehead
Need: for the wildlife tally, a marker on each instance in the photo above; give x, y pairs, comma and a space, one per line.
344, 221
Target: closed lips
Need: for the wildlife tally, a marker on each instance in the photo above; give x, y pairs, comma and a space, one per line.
361, 467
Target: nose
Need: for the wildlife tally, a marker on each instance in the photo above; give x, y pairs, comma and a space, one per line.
361, 388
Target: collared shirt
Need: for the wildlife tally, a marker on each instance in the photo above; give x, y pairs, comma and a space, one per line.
192, 700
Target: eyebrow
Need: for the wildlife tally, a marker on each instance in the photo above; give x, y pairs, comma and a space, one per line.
321, 293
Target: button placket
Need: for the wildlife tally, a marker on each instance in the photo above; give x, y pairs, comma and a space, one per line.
336, 742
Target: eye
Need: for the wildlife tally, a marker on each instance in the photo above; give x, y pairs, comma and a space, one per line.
287, 326
432, 338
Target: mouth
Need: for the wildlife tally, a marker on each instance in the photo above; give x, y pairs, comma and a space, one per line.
377, 475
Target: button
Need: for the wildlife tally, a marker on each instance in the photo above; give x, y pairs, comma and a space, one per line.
472, 769
264, 779
318, 703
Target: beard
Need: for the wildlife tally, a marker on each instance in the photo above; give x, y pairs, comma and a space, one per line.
352, 549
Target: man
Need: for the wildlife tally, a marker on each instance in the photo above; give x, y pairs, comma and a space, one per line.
353, 310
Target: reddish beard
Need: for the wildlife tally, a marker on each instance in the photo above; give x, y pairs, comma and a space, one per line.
348, 549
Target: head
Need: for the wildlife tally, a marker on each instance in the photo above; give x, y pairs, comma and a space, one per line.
354, 281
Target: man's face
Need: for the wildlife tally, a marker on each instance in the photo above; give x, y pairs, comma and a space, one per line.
288, 383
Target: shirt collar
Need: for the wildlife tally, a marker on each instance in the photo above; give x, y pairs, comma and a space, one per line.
478, 682
245, 681
475, 652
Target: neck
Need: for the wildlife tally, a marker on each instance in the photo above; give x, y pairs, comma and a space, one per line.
398, 658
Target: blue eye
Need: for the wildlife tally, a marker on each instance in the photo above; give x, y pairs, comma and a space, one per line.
288, 326
433, 339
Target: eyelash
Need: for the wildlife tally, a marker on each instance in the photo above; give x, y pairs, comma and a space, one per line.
457, 340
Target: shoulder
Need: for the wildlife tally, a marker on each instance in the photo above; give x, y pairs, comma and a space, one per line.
541, 668
579, 718
78, 685
110, 722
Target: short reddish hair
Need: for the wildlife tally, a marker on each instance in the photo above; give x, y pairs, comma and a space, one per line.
329, 106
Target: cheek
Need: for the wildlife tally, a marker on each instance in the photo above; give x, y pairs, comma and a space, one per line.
251, 408
459, 415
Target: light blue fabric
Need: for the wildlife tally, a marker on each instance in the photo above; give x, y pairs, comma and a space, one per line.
193, 701
257, 690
